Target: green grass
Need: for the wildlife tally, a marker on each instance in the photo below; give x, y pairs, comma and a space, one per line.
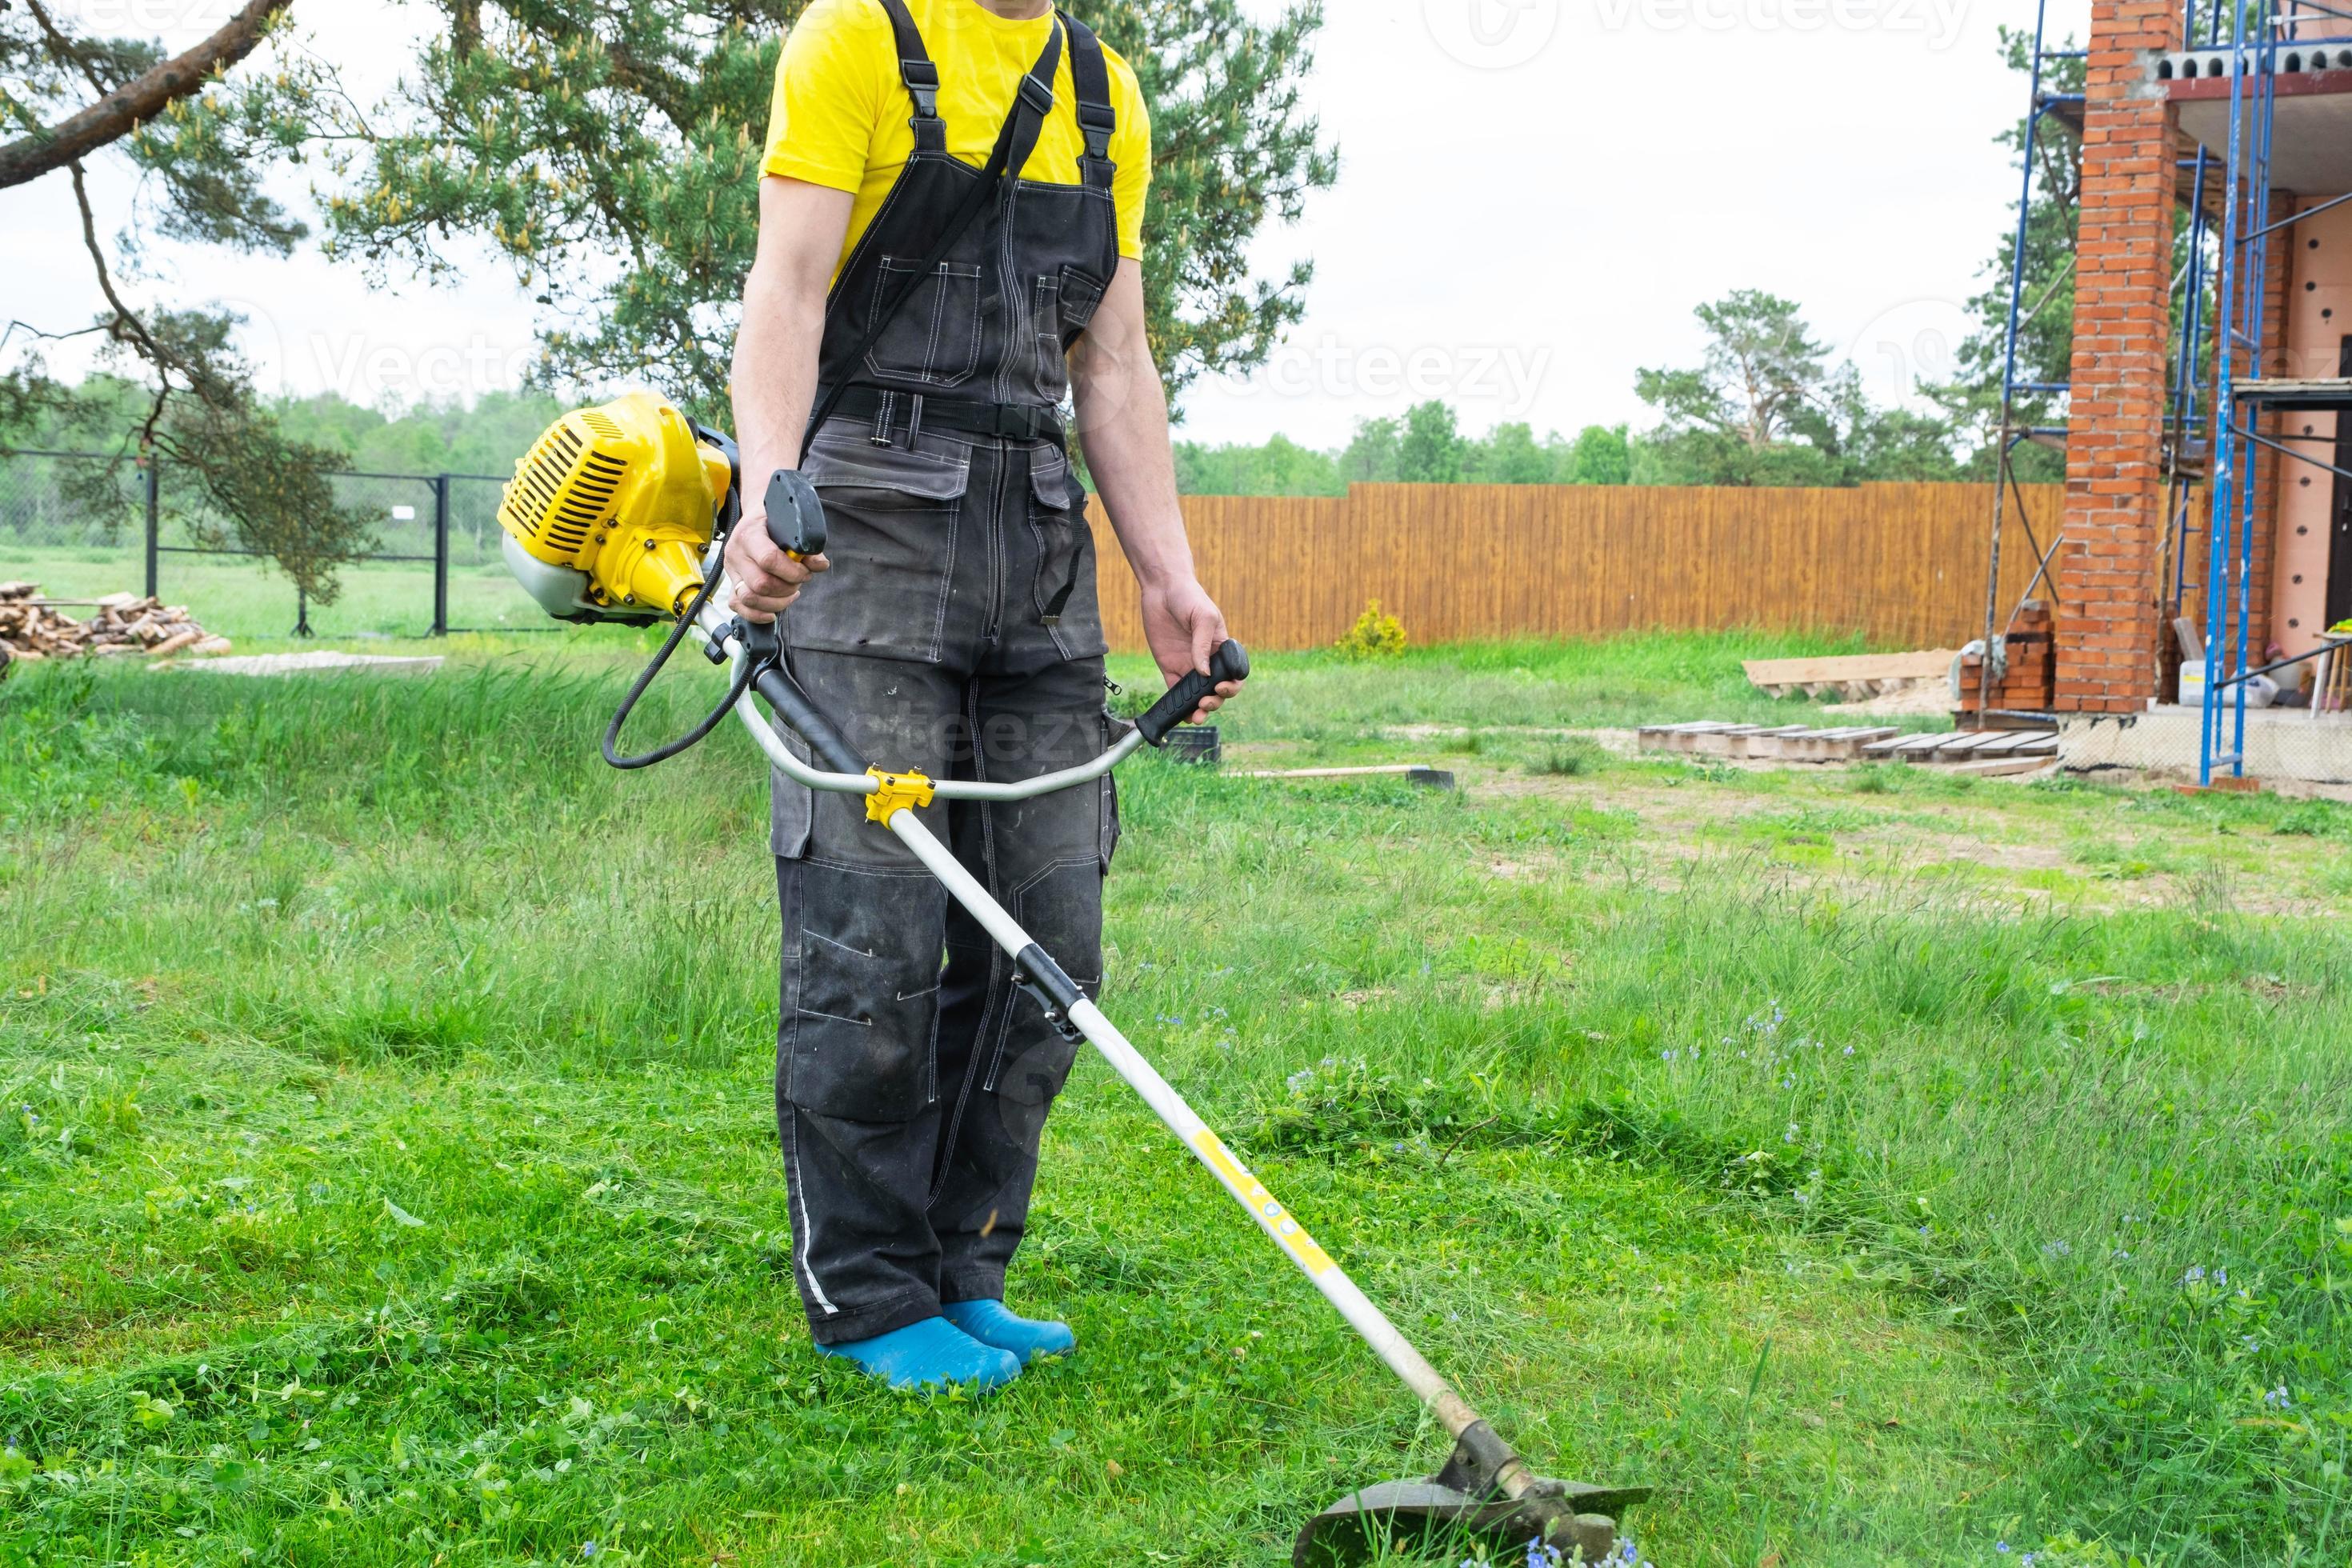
388, 1175
250, 604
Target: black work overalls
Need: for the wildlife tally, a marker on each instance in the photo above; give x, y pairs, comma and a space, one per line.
957, 633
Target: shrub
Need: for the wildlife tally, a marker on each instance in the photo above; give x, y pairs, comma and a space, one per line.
1374, 636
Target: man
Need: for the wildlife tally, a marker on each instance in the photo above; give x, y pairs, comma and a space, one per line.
952, 625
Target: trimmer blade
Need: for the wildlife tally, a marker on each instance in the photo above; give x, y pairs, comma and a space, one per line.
1565, 1516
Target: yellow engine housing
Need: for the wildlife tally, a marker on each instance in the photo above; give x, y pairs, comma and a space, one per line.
610, 513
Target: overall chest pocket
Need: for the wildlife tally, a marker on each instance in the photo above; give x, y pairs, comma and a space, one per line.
893, 517
935, 337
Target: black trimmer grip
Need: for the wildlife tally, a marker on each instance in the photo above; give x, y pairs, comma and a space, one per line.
1230, 662
795, 515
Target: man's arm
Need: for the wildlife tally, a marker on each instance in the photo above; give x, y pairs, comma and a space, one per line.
802, 228
1123, 428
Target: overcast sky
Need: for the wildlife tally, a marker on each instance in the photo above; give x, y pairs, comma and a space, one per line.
1534, 195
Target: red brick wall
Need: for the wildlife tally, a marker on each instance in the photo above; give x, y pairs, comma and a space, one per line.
2110, 573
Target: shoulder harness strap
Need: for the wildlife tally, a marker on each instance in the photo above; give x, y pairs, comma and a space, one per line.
1097, 118
1031, 104
921, 77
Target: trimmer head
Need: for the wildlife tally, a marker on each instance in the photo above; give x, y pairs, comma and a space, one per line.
1465, 1505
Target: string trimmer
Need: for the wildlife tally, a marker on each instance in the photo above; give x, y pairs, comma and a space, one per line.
619, 513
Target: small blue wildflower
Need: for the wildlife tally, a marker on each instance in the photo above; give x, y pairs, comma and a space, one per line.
589, 1549
1667, 1056
2221, 1277
2001, 1547
1849, 1050
1790, 1135
2278, 1398
2196, 1275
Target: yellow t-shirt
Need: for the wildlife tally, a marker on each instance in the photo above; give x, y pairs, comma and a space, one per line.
840, 112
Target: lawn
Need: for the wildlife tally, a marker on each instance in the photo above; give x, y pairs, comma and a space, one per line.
252, 604
1890, 1168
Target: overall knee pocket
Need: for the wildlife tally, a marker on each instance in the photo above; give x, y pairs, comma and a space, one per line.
861, 1030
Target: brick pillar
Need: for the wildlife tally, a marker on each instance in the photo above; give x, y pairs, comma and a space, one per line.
2108, 572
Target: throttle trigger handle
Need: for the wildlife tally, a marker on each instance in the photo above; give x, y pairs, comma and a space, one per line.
795, 514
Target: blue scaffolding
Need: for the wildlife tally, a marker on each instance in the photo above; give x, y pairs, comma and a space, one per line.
2221, 301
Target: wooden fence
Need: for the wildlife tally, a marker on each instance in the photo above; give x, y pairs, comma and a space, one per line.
1905, 564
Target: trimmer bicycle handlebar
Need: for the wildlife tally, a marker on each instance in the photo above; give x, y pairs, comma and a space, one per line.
1230, 662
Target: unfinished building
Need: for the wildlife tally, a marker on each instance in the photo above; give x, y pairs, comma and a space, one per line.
2205, 551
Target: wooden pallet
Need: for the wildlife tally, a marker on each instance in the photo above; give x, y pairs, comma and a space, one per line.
1972, 746
1762, 742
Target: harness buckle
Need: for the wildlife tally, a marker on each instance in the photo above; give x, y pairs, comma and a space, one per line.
923, 80
1098, 121
1038, 95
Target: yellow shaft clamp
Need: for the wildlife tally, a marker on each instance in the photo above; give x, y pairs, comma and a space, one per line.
894, 793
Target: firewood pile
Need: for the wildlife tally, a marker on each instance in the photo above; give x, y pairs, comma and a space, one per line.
33, 627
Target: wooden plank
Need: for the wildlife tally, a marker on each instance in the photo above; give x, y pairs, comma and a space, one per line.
1963, 745
2006, 767
1836, 745
1860, 666
2019, 739
1417, 773
1910, 746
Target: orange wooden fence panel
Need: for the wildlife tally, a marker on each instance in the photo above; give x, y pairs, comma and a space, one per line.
1901, 563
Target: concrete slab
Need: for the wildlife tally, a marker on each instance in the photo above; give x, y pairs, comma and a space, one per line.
2281, 743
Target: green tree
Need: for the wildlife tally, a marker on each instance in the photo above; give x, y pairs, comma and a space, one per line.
608, 150
1511, 456
631, 130
1766, 407
1372, 454
204, 129
1602, 455
1280, 467
1431, 451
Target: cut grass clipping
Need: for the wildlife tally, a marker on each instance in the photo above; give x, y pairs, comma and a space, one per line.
387, 1174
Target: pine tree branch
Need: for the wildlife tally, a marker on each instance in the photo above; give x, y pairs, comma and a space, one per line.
126, 327
137, 101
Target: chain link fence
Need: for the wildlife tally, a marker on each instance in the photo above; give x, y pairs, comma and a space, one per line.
84, 524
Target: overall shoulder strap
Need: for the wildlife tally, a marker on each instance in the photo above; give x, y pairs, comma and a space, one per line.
921, 77
1098, 117
1030, 105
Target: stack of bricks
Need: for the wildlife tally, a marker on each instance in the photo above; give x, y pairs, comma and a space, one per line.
2115, 475
2030, 682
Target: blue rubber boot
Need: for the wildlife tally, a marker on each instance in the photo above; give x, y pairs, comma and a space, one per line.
991, 1324
932, 1353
